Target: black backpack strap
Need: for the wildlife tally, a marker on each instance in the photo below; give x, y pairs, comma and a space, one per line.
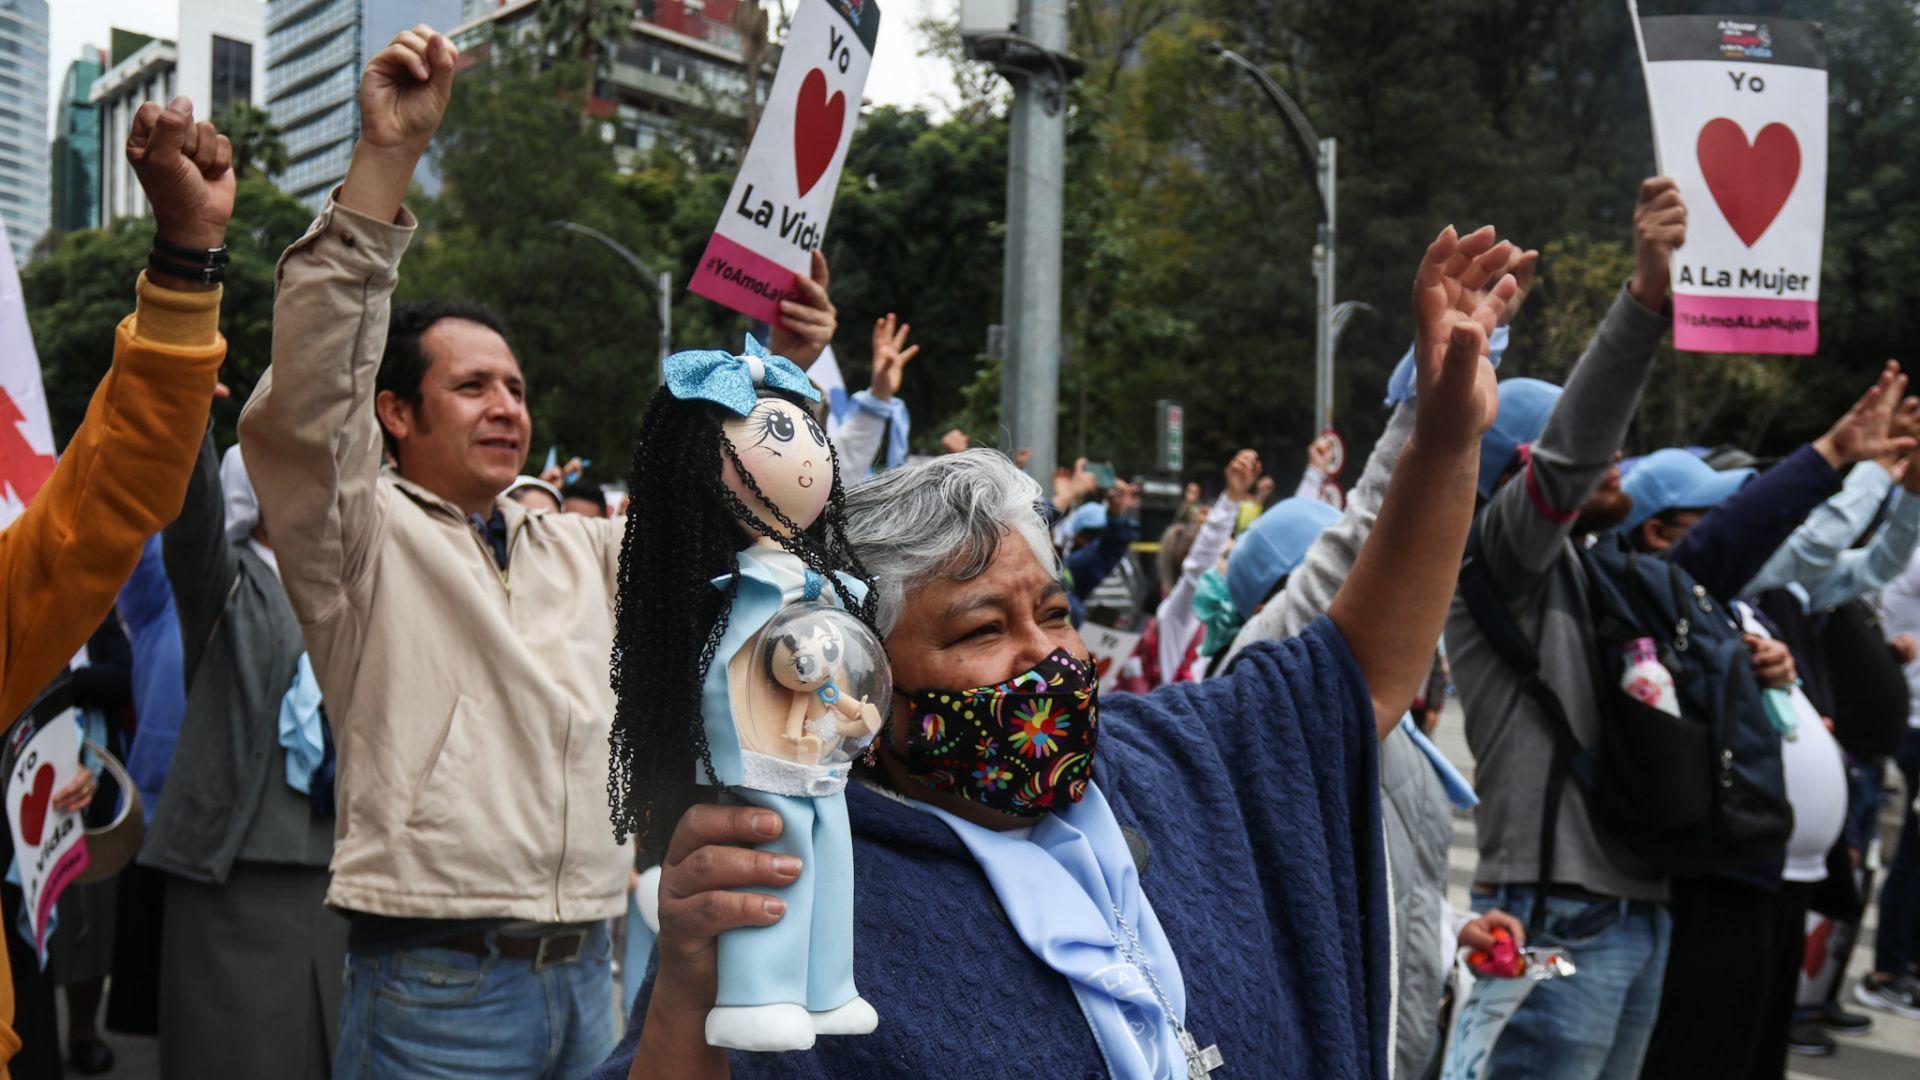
1504, 635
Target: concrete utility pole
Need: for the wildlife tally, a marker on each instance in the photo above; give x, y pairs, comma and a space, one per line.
1320, 155
663, 282
1036, 178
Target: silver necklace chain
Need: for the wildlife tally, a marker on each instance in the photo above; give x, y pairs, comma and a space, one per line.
1136, 954
1200, 1061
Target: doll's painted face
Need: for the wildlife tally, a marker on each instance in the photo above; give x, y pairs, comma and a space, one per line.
804, 663
786, 453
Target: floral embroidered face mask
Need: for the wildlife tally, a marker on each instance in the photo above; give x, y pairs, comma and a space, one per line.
1022, 747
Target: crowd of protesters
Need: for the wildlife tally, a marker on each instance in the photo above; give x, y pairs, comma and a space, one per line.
358, 667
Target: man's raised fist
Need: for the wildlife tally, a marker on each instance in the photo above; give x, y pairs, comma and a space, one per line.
186, 169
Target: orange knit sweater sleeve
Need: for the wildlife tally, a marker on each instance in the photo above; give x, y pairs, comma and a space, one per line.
121, 479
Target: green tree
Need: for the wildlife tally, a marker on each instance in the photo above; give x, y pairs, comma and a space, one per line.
587, 31
77, 293
514, 161
259, 145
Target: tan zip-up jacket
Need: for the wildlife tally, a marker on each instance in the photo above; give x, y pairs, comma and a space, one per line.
470, 707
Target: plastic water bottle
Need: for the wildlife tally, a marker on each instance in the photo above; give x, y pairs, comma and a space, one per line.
1646, 679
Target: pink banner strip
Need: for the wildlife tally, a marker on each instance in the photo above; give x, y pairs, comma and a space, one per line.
72, 863
1739, 324
742, 279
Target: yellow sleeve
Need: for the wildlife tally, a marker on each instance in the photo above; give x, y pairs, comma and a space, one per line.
120, 480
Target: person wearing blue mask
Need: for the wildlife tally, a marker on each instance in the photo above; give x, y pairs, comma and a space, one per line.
1135, 886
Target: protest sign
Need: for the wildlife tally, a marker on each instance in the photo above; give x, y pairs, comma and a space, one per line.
1111, 649
776, 215
48, 844
1740, 122
26, 437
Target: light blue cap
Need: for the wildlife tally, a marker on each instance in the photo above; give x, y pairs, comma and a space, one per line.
1087, 517
1676, 479
1272, 547
1525, 405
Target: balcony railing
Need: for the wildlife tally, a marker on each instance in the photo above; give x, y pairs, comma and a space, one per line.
282, 12
315, 29
285, 78
330, 91
681, 19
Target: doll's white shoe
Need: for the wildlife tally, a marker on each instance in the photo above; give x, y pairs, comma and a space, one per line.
760, 1027
856, 1017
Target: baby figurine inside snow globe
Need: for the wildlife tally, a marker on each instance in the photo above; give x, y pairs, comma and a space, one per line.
744, 660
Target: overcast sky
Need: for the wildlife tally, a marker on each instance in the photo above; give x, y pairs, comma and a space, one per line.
901, 76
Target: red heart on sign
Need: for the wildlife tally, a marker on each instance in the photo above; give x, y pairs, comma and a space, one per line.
33, 809
817, 124
1750, 181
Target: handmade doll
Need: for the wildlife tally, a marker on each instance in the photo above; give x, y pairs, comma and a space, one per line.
744, 660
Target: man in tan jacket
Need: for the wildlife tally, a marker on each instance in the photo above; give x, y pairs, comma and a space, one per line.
461, 642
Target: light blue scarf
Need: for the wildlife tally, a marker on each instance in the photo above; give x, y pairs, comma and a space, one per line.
1058, 887
1459, 792
300, 727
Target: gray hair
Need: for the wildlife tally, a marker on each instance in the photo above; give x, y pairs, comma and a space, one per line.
944, 517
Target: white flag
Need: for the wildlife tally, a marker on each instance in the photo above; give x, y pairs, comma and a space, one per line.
26, 435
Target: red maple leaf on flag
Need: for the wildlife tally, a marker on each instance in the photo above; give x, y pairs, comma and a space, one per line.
22, 468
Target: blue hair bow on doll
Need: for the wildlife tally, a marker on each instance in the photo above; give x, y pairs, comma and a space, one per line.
727, 380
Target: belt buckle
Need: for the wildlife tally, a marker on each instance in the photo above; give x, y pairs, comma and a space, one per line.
547, 955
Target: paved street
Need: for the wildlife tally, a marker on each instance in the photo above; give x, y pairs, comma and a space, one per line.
1891, 1051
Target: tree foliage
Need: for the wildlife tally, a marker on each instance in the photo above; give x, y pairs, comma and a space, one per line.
259, 145
78, 292
1190, 219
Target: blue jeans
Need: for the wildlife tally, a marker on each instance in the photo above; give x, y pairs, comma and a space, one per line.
440, 1013
1595, 1025
1894, 946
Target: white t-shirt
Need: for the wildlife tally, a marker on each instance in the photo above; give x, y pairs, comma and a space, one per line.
1817, 789
1816, 779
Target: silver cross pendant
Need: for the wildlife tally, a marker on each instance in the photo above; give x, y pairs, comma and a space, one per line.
1199, 1062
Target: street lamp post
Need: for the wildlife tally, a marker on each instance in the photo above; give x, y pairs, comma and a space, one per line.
1036, 61
1320, 153
663, 281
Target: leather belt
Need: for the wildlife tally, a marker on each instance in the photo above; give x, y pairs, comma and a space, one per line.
548, 950
1575, 892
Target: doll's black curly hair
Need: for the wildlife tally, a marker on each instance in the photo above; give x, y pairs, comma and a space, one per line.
684, 527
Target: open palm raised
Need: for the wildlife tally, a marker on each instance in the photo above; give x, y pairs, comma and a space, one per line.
1460, 294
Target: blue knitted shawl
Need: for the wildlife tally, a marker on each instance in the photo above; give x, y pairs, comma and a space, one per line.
1252, 801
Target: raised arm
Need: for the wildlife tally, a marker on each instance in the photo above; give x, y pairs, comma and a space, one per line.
1175, 615
200, 563
877, 410
1885, 557
1312, 587
1525, 523
1731, 543
1862, 570
1090, 565
1814, 548
1393, 604
312, 442
125, 470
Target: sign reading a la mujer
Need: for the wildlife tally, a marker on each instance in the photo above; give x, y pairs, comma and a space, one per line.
1740, 122
777, 212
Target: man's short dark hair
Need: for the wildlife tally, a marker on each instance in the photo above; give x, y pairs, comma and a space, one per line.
404, 364
582, 490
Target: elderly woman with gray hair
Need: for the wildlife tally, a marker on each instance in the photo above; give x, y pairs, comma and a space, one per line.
1147, 886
